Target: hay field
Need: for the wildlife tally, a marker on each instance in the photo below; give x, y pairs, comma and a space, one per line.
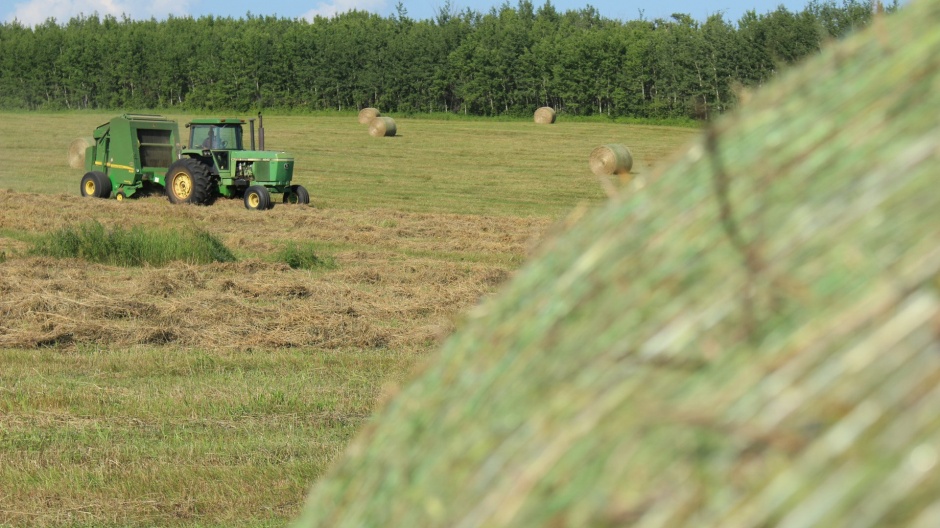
215, 394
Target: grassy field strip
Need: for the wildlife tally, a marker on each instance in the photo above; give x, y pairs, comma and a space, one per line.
473, 167
162, 435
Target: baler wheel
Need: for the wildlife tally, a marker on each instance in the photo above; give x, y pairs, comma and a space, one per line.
96, 185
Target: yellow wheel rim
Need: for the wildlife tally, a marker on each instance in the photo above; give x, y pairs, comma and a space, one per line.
182, 185
90, 188
254, 200
119, 197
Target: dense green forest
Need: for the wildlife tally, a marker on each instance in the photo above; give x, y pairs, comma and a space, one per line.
508, 61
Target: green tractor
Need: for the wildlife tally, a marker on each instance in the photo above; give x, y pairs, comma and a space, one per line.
134, 151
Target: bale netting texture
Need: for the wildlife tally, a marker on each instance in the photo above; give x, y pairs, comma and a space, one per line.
545, 115
76, 156
382, 127
751, 339
610, 159
366, 115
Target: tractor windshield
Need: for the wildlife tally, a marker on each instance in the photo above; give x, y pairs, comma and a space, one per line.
221, 137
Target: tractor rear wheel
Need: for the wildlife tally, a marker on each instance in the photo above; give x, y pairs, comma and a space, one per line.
297, 195
96, 185
188, 181
258, 198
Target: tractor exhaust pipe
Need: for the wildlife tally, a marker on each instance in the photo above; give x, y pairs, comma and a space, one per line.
251, 128
260, 132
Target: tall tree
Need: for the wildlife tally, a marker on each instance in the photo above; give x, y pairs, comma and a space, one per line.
510, 60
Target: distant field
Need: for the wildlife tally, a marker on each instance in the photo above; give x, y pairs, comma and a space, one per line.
465, 167
213, 395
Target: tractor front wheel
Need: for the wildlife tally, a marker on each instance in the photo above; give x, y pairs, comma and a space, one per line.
258, 198
96, 185
188, 181
297, 195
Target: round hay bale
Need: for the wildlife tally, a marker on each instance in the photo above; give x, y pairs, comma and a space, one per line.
366, 115
545, 115
77, 151
716, 350
382, 126
611, 159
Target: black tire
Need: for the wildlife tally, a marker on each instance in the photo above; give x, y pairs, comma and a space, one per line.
96, 185
297, 195
188, 181
257, 198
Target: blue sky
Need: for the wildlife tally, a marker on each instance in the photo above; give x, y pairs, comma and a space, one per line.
31, 12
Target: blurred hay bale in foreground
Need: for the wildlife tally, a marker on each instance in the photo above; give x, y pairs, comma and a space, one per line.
752, 340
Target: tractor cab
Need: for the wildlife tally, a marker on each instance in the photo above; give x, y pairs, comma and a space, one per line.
216, 134
216, 138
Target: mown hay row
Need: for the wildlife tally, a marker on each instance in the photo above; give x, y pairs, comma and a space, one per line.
749, 341
412, 232
76, 155
382, 127
56, 302
234, 306
545, 115
366, 115
611, 159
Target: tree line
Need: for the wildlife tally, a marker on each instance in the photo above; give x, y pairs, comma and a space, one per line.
508, 61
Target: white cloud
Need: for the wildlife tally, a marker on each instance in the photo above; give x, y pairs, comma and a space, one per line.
336, 7
34, 12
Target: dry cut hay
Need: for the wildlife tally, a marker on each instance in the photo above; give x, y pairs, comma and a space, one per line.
545, 115
67, 302
77, 151
611, 159
366, 115
382, 126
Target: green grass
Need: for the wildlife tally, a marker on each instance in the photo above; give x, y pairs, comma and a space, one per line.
304, 256
137, 246
157, 436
